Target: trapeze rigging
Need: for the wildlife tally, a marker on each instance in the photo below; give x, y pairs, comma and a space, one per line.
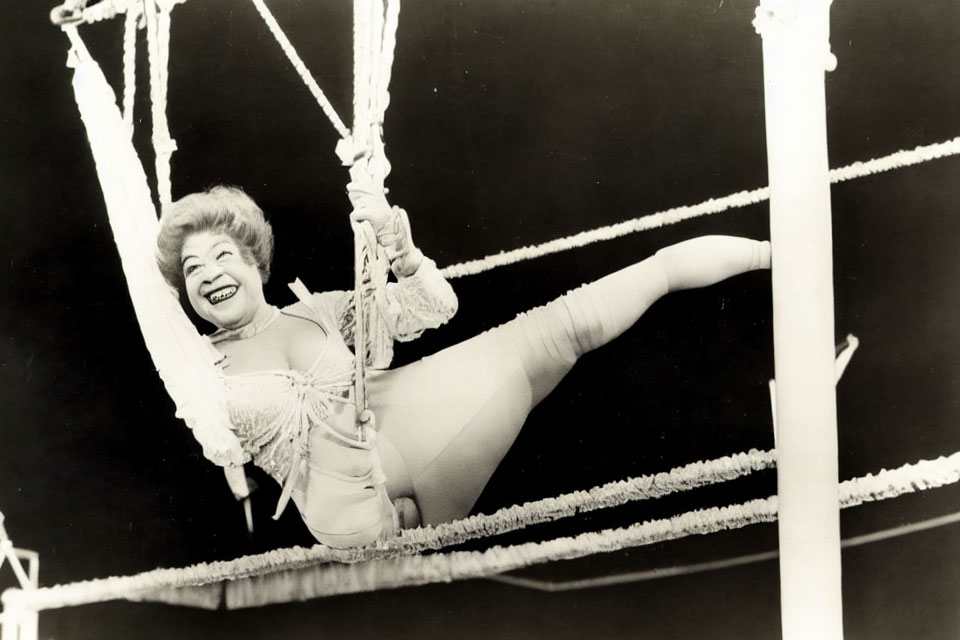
369, 317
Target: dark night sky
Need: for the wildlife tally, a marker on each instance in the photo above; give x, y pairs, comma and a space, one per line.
512, 122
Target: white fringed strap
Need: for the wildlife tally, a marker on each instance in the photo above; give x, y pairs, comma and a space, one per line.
678, 214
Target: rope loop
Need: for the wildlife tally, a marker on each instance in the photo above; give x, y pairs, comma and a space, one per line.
69, 13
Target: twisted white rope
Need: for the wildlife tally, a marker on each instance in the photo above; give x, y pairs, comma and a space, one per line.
388, 47
158, 53
362, 12
107, 9
678, 214
301, 69
384, 567
712, 565
130, 66
412, 541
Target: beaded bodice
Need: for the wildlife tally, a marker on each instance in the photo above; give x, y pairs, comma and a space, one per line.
273, 411
289, 420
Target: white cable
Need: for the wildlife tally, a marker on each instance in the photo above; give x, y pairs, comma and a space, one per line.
158, 51
713, 565
301, 68
678, 214
130, 66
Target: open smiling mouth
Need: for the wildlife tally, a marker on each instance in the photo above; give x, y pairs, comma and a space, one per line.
224, 293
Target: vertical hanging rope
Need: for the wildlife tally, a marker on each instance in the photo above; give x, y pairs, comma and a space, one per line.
130, 65
374, 46
364, 253
158, 41
389, 44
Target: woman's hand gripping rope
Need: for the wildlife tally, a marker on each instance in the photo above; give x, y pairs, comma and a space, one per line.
390, 224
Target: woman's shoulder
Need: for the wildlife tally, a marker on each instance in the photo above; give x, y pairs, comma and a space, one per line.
322, 307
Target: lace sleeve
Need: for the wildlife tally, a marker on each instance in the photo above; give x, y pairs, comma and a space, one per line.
424, 300
404, 310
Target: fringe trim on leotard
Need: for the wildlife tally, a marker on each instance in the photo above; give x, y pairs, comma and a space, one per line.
678, 214
300, 574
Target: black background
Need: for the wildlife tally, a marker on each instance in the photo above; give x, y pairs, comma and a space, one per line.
511, 123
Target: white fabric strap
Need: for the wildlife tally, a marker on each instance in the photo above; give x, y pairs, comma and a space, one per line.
184, 359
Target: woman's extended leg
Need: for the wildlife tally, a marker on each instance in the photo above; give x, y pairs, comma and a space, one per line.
596, 313
453, 416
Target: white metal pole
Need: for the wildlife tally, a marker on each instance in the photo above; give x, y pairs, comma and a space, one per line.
796, 52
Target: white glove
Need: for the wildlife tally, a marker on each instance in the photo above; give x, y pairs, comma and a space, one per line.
390, 224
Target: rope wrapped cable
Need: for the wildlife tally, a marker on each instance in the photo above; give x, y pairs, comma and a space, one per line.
674, 215
301, 68
386, 567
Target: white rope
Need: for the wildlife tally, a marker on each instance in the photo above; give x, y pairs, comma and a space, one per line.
364, 151
382, 567
396, 572
613, 494
712, 565
301, 68
106, 9
678, 214
388, 46
361, 61
413, 541
130, 66
158, 52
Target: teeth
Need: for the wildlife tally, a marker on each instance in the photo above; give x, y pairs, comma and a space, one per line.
222, 294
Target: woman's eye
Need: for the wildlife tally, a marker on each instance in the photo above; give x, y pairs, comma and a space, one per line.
223, 254
190, 268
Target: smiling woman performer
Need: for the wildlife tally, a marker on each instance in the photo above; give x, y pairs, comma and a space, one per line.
444, 422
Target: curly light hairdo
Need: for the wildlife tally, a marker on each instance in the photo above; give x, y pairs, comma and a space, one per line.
219, 209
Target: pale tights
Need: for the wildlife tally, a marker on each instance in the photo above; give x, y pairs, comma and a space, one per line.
446, 421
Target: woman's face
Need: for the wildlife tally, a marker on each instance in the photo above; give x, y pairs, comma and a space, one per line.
222, 287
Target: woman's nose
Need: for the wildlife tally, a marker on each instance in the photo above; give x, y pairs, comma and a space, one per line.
211, 272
